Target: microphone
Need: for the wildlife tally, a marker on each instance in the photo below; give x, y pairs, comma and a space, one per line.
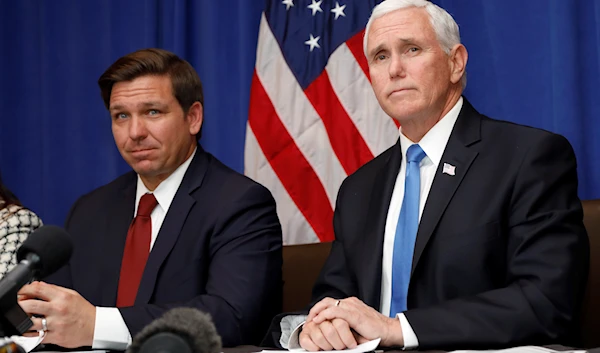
181, 330
43, 252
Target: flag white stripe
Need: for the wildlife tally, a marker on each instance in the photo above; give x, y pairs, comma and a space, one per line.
295, 227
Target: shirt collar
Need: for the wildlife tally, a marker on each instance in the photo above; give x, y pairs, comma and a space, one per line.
435, 140
166, 190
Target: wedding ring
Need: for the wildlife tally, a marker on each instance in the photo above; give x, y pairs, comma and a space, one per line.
337, 303
44, 325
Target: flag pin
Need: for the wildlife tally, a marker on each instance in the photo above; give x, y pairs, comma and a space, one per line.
449, 169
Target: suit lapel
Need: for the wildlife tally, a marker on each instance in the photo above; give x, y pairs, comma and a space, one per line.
118, 221
372, 243
172, 225
467, 131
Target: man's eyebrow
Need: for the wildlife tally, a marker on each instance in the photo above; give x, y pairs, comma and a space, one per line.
151, 104
382, 46
115, 107
376, 50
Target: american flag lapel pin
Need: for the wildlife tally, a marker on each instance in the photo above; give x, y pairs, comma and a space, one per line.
449, 169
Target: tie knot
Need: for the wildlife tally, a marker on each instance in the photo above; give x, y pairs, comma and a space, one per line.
415, 153
147, 204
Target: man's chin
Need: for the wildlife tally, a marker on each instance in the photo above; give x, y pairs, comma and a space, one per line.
403, 115
144, 168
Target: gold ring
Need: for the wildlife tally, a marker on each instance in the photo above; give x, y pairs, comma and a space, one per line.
44, 325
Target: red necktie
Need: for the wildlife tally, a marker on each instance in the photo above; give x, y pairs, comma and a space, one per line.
137, 249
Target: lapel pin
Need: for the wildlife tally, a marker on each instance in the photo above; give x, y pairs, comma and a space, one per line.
449, 169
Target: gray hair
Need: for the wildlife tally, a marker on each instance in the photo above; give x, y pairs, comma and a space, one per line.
442, 22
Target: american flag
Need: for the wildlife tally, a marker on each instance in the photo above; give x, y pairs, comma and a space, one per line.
313, 117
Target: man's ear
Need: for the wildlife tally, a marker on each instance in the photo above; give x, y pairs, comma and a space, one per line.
195, 117
458, 62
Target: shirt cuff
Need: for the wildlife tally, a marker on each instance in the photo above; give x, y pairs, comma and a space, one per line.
410, 339
110, 331
290, 331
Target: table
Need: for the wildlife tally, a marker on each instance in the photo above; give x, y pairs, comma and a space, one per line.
250, 349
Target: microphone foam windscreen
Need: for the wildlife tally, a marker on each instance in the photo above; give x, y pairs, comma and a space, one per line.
190, 324
53, 246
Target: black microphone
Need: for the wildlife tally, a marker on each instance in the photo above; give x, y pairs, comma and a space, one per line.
181, 330
43, 252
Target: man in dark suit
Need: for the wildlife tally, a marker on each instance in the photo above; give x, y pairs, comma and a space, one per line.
203, 235
466, 234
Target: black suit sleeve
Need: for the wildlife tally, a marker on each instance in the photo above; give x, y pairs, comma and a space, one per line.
547, 265
244, 286
62, 277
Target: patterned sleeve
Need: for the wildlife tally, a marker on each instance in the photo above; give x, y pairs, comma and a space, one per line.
14, 229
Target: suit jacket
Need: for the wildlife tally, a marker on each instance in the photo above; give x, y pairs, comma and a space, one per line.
218, 250
501, 254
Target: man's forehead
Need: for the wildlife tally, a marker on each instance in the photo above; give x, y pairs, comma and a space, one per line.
140, 93
405, 24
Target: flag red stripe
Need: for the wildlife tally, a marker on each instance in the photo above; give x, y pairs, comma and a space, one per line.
288, 162
355, 44
347, 142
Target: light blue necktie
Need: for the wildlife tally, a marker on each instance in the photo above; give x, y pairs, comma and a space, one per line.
406, 231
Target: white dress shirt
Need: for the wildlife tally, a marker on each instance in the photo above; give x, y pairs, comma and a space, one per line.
110, 331
433, 143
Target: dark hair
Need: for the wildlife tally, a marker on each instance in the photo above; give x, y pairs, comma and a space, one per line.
7, 198
187, 87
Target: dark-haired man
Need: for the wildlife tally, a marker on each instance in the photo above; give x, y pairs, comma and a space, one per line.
180, 230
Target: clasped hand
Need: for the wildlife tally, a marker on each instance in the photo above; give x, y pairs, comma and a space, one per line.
336, 325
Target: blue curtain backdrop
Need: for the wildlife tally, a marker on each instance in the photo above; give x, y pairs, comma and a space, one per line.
534, 62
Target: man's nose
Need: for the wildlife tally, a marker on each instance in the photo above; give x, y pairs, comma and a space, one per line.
396, 67
137, 128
